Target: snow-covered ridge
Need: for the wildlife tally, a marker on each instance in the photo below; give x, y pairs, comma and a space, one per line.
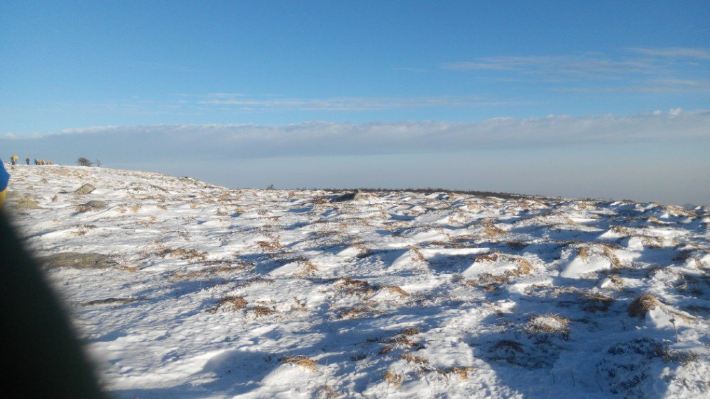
184, 289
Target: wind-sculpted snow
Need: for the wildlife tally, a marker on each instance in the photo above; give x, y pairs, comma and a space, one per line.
184, 289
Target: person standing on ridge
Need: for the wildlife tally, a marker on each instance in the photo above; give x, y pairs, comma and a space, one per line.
13, 159
4, 180
27, 160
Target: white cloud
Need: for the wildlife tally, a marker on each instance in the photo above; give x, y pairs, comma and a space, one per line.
648, 86
566, 66
675, 52
641, 69
342, 103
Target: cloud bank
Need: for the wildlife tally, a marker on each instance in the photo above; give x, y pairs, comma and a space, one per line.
205, 142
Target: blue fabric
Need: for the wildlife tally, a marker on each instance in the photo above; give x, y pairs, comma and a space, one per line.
4, 176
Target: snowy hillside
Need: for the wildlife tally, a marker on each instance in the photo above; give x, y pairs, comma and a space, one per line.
184, 289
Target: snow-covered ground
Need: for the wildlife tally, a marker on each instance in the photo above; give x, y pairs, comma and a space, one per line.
211, 292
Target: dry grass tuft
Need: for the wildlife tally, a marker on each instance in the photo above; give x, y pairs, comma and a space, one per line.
327, 392
489, 257
231, 302
409, 331
182, 253
393, 378
418, 360
460, 372
621, 230
260, 311
491, 282
300, 361
83, 229
307, 268
488, 282
594, 302
274, 245
616, 281
548, 324
351, 285
641, 305
652, 242
491, 230
395, 290
111, 301
353, 313
583, 252
399, 341
26, 202
417, 255
94, 205
524, 267
609, 253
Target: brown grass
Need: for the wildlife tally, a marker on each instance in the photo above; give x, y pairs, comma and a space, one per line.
616, 280
417, 255
460, 372
409, 331
491, 230
594, 302
83, 229
353, 313
399, 341
110, 301
352, 285
621, 230
94, 205
393, 378
395, 290
307, 268
327, 392
488, 282
182, 253
524, 267
489, 257
641, 305
418, 360
274, 245
491, 282
300, 361
260, 311
26, 202
231, 302
609, 253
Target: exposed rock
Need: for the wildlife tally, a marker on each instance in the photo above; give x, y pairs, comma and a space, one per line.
91, 206
78, 260
85, 189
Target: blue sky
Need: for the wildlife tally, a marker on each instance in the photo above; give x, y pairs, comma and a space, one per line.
77, 64
140, 66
